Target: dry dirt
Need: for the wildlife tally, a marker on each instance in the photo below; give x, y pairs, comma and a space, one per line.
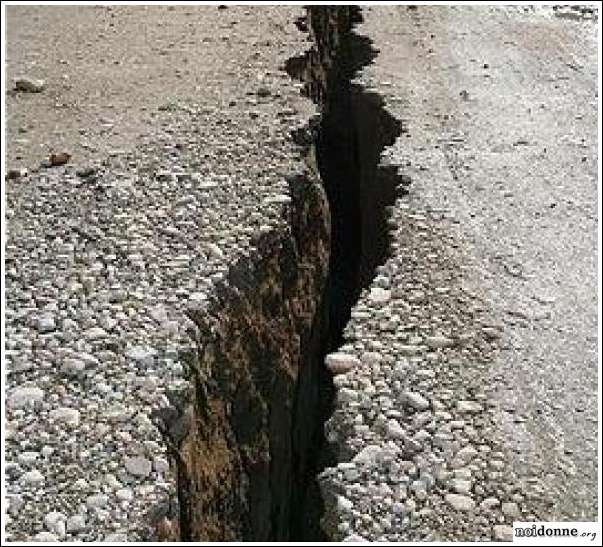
109, 68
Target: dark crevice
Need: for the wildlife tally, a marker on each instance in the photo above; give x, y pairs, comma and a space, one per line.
247, 440
351, 133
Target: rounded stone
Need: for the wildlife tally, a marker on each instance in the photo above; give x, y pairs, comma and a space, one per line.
340, 363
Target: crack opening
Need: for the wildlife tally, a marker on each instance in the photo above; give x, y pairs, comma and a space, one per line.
352, 132
248, 445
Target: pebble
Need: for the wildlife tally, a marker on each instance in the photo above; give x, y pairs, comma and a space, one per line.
76, 523
95, 333
124, 494
55, 522
469, 407
437, 342
367, 455
340, 363
97, 501
464, 456
138, 466
30, 85
143, 355
415, 400
15, 174
73, 367
502, 532
161, 465
33, 477
46, 536
379, 296
510, 509
459, 502
344, 504
489, 503
67, 416
461, 486
46, 323
27, 458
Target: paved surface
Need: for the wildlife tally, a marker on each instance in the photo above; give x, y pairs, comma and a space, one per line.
102, 262
500, 111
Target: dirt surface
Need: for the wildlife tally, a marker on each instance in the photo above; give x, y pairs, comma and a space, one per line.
103, 265
501, 111
109, 68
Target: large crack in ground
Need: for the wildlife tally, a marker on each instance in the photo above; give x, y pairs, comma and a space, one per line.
353, 130
252, 444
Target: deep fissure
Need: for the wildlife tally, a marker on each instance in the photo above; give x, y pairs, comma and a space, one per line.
353, 130
247, 440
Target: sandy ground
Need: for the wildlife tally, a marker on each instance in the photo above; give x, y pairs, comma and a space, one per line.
109, 68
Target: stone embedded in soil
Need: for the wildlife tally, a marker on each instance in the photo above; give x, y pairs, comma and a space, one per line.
138, 466
26, 84
460, 502
23, 397
340, 363
502, 532
415, 400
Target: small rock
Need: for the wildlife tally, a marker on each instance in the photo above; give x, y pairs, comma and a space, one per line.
33, 477
27, 458
29, 85
502, 532
340, 363
95, 333
55, 522
415, 400
395, 430
68, 416
59, 159
124, 494
138, 466
24, 396
438, 342
76, 523
344, 504
46, 536
461, 486
464, 456
510, 509
469, 407
491, 333
409, 350
378, 295
215, 250
354, 538
46, 323
86, 172
161, 465
489, 503
142, 355
368, 454
97, 501
460, 502
263, 91
73, 367
116, 538
15, 174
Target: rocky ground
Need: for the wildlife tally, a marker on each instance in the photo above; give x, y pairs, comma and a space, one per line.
478, 338
467, 385
105, 254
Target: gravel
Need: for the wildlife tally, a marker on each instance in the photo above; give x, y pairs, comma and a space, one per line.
459, 420
105, 260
